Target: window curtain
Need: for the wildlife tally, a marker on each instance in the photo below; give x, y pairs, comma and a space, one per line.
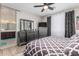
49, 26
69, 24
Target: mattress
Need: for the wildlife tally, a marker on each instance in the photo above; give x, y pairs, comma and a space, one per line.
48, 46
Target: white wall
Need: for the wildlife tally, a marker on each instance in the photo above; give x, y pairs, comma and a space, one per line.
43, 19
58, 24
27, 16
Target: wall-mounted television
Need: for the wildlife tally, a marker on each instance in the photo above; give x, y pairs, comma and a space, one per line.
42, 24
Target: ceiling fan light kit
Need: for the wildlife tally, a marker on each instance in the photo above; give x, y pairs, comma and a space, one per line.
45, 6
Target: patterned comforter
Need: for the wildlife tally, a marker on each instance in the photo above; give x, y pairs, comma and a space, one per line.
48, 46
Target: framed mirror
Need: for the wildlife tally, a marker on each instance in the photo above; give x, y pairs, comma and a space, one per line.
26, 24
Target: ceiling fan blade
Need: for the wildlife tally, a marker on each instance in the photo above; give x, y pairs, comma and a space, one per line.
42, 10
45, 3
50, 8
39, 6
50, 3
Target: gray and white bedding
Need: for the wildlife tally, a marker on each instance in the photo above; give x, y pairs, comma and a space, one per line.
53, 46
48, 46
73, 46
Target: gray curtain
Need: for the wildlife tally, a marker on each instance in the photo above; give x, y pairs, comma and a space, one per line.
49, 26
69, 24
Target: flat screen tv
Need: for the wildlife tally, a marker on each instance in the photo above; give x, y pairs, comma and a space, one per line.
42, 24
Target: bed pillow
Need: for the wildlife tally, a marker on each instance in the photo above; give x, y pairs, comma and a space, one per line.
72, 49
74, 37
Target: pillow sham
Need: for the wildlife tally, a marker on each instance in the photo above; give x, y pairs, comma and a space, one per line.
74, 37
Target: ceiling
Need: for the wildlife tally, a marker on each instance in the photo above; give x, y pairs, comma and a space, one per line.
28, 7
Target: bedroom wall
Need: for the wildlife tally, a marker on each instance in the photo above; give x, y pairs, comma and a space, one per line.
27, 16
43, 19
58, 24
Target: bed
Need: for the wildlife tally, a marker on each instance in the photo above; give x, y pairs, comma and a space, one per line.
47, 46
50, 46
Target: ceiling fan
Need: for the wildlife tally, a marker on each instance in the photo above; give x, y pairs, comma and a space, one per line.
45, 6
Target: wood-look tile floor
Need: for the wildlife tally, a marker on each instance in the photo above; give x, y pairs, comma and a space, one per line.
12, 51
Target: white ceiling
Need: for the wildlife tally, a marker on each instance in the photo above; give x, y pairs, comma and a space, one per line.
28, 7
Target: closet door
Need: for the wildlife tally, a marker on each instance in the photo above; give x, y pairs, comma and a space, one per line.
8, 18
